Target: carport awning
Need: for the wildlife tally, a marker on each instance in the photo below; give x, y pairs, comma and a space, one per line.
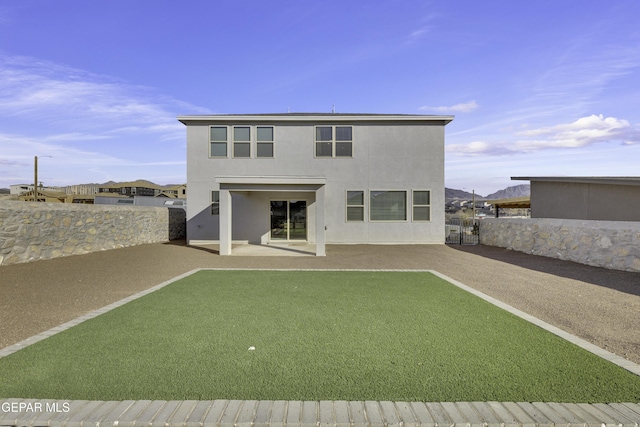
512, 203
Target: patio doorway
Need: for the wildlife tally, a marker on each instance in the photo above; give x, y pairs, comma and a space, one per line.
288, 220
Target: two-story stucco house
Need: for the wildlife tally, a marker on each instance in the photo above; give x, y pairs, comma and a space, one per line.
316, 178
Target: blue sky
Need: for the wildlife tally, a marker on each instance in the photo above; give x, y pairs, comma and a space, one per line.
537, 88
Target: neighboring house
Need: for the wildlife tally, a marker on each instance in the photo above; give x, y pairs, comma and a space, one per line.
143, 188
130, 189
521, 204
18, 189
86, 199
157, 201
82, 189
46, 196
177, 191
591, 198
57, 197
316, 178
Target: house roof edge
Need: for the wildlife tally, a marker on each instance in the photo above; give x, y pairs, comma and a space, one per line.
619, 180
315, 117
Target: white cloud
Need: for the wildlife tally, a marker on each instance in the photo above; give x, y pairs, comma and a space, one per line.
584, 132
15, 147
418, 34
477, 148
576, 74
426, 25
96, 127
67, 165
457, 108
56, 95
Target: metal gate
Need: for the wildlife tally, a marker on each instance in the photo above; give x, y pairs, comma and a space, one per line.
462, 231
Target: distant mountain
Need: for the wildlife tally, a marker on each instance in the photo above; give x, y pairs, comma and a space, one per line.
139, 182
450, 193
522, 190
4, 191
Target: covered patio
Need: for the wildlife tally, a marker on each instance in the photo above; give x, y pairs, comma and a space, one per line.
259, 195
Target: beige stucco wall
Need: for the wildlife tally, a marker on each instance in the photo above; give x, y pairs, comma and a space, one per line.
387, 155
608, 244
34, 231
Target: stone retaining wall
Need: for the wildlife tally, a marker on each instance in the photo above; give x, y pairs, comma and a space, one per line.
609, 244
34, 231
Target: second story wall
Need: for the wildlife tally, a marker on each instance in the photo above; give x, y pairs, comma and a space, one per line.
382, 153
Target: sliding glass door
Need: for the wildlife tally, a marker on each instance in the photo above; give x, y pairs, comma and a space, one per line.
288, 220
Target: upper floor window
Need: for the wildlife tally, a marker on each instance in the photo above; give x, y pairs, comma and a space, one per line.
334, 141
241, 141
218, 141
264, 141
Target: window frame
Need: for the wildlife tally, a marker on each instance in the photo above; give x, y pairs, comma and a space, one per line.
342, 141
334, 142
212, 141
362, 206
238, 142
406, 205
414, 205
253, 143
272, 142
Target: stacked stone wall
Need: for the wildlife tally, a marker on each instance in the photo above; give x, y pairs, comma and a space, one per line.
609, 244
35, 231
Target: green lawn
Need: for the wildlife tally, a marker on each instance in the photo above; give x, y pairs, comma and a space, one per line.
402, 336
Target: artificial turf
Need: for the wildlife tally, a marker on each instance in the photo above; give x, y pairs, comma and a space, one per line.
399, 336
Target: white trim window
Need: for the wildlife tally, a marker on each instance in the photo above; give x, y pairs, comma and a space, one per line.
355, 205
388, 205
241, 142
421, 205
334, 141
264, 142
215, 203
218, 141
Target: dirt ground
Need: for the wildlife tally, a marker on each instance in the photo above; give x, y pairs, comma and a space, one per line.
599, 305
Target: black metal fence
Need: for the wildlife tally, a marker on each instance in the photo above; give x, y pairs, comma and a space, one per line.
462, 231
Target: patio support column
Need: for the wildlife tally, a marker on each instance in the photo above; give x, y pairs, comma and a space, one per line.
320, 250
225, 222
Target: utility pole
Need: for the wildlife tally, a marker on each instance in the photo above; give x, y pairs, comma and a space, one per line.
35, 179
474, 206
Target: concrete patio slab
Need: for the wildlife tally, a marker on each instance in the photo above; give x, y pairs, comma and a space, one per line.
267, 250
